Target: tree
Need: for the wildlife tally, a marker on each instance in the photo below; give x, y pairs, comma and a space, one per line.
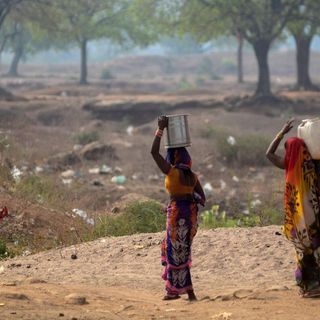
259, 22
81, 21
303, 27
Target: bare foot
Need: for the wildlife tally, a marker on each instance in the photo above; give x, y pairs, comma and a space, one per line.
169, 297
192, 296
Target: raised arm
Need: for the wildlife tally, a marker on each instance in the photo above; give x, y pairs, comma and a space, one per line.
277, 160
163, 165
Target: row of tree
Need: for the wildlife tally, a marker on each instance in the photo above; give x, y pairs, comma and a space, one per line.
29, 25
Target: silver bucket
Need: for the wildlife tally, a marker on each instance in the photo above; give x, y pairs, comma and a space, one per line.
178, 134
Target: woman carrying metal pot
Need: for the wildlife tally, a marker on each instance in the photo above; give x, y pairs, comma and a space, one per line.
302, 203
185, 193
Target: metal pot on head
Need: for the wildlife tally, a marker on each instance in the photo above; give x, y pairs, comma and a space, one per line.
178, 134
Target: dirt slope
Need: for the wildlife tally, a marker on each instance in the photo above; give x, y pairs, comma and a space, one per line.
238, 274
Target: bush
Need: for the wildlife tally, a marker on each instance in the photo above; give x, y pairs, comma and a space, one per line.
264, 216
41, 190
247, 150
184, 84
3, 249
106, 74
84, 138
229, 66
138, 217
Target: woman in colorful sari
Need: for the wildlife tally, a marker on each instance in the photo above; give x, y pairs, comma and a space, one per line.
185, 193
301, 223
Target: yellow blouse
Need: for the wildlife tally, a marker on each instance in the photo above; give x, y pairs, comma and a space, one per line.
174, 186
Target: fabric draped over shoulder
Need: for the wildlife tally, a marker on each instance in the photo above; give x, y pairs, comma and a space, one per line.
301, 225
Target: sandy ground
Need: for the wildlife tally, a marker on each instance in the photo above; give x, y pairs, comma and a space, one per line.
237, 274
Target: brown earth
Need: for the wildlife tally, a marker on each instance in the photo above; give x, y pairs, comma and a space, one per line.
237, 274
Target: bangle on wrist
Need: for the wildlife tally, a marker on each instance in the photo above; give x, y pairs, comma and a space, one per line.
159, 133
280, 136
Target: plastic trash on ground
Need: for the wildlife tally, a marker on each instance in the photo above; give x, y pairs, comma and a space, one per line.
16, 173
231, 140
118, 179
207, 188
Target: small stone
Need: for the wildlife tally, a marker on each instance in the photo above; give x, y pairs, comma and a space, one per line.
277, 233
76, 299
74, 256
242, 293
277, 288
28, 266
16, 296
61, 315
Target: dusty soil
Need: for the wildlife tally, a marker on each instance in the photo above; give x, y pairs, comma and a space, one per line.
237, 274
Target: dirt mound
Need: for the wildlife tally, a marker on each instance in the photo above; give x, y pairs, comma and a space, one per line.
237, 274
35, 227
143, 109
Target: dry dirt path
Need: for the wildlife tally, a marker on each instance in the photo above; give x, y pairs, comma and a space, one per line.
238, 274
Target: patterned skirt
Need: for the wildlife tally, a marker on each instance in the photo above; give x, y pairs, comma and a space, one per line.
176, 246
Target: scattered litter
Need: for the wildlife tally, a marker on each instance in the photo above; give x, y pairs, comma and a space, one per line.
209, 166
255, 203
68, 174
90, 221
38, 169
231, 140
26, 253
235, 179
94, 170
222, 184
121, 188
118, 179
77, 147
105, 169
16, 173
82, 214
223, 169
222, 316
153, 177
97, 183
1, 269
130, 130
207, 188
136, 176
67, 181
63, 94
117, 170
246, 211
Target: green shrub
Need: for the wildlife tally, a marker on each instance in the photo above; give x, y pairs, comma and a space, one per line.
87, 137
106, 74
213, 218
229, 66
248, 149
184, 84
138, 217
40, 189
3, 249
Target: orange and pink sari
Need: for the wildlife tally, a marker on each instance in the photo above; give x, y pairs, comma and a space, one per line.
302, 200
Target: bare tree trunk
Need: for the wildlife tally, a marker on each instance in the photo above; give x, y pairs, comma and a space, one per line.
261, 50
13, 71
240, 57
84, 67
303, 44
